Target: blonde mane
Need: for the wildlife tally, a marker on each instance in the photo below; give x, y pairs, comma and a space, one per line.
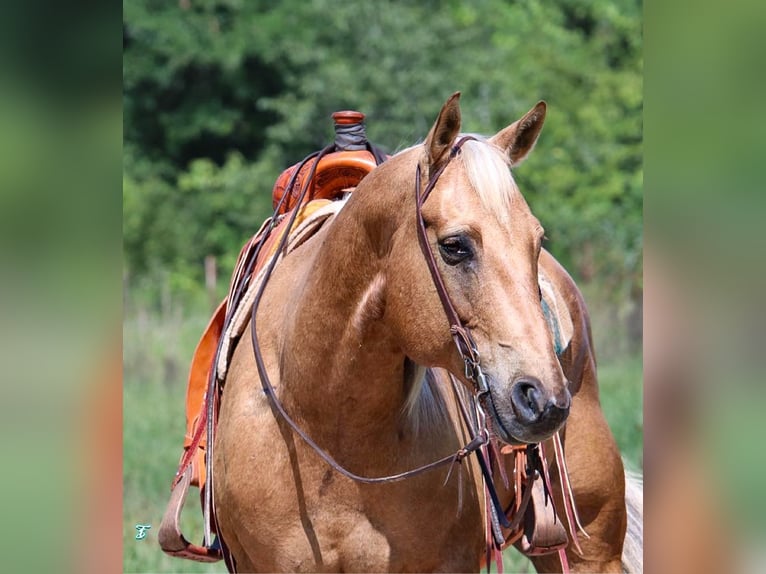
488, 171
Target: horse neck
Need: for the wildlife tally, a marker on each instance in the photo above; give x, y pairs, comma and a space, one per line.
346, 369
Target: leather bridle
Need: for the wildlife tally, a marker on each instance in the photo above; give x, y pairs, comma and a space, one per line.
469, 352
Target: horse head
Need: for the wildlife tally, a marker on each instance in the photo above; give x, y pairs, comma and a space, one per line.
486, 244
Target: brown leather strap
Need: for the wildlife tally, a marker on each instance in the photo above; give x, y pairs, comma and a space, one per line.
170, 538
468, 350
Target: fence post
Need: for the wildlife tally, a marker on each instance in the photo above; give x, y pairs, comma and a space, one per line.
211, 281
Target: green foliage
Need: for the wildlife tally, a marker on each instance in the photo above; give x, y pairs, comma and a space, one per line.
621, 392
168, 229
220, 96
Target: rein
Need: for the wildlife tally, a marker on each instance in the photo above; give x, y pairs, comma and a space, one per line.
502, 527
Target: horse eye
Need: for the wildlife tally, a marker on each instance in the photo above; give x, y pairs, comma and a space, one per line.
455, 249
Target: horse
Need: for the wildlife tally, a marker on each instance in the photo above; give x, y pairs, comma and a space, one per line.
348, 325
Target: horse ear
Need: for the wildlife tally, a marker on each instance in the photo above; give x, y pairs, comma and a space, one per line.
519, 138
444, 131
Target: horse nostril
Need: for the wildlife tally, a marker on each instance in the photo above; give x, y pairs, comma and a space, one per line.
557, 409
564, 403
527, 399
530, 393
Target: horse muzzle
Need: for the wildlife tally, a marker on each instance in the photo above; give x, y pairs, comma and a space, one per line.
529, 413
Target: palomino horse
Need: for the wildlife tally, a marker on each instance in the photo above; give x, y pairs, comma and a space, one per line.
348, 322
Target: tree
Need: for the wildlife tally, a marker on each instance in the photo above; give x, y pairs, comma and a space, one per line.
222, 95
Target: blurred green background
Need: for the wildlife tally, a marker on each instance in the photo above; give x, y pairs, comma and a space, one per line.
220, 96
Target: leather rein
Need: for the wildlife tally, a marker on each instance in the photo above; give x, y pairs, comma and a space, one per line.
465, 344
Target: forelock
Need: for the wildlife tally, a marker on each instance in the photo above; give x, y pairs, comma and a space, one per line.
488, 171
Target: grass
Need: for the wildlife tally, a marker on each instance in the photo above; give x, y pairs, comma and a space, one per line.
621, 388
156, 355
152, 442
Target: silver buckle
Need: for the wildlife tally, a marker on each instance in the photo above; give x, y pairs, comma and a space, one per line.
474, 373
